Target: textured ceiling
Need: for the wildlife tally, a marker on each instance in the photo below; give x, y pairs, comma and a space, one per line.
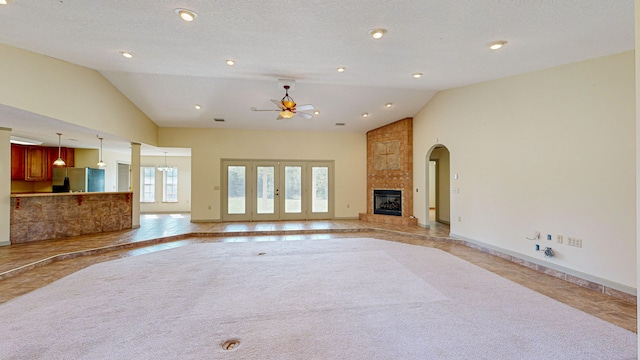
178, 64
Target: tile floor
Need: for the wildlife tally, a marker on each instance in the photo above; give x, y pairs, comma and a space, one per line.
25, 267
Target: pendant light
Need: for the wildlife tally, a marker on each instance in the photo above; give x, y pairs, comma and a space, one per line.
59, 161
101, 163
165, 167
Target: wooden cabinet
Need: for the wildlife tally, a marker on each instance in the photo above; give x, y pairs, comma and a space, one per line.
35, 163
17, 162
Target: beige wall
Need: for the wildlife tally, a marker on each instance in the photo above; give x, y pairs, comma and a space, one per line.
637, 197
70, 93
209, 146
183, 163
550, 151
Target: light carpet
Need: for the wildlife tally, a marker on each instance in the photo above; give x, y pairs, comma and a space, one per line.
312, 299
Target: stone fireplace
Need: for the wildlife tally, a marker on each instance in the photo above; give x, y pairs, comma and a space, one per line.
390, 174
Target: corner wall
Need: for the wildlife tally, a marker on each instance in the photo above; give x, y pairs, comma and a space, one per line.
550, 151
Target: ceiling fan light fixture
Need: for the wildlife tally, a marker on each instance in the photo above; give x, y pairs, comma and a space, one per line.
287, 102
3, 2
186, 15
377, 33
286, 114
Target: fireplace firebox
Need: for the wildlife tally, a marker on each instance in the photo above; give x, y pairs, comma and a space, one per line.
387, 202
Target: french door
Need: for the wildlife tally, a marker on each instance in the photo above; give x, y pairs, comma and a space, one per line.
257, 190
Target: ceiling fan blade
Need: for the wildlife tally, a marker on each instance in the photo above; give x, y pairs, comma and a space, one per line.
254, 109
305, 107
278, 103
306, 116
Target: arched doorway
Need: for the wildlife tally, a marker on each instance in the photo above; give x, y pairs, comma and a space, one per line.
438, 184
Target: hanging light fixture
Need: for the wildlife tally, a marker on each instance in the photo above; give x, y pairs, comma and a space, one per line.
59, 161
165, 167
101, 164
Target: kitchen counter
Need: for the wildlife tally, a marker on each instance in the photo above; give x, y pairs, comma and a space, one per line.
43, 216
21, 195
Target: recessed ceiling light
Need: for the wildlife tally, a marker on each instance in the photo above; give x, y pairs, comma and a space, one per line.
497, 44
388, 105
197, 107
317, 112
231, 62
128, 55
186, 15
377, 33
341, 69
417, 75
365, 115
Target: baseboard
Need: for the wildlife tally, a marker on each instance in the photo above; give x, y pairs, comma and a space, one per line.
5, 243
559, 271
346, 218
207, 221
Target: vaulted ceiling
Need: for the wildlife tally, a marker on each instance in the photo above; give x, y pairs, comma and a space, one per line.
177, 65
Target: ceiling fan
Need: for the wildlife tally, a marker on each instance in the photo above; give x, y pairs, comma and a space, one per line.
288, 108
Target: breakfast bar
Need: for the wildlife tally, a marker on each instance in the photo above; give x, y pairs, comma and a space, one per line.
43, 216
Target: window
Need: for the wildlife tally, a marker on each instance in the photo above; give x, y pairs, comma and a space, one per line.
148, 184
170, 185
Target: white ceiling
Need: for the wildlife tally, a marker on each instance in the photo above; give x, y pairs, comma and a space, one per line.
177, 64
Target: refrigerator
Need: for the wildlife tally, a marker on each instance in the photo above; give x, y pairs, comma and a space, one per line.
78, 180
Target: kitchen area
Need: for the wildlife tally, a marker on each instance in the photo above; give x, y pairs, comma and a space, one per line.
53, 197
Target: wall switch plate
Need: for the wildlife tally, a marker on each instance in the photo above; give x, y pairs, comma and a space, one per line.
571, 241
559, 239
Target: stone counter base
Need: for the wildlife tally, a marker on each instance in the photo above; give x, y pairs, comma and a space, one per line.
36, 218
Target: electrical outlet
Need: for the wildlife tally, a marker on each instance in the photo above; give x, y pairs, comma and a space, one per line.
571, 241
560, 239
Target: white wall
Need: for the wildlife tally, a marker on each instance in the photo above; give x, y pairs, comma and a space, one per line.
550, 151
183, 163
209, 146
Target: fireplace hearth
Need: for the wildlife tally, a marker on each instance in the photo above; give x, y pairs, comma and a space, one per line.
387, 202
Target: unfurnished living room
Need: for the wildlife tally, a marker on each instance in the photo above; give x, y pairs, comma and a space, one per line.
318, 180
